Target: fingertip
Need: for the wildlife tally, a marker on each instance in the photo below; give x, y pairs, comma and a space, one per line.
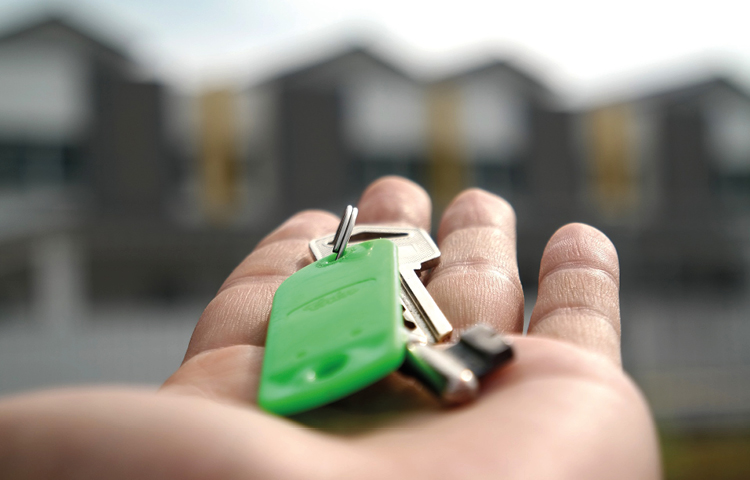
578, 298
313, 214
312, 217
478, 208
395, 200
395, 181
578, 243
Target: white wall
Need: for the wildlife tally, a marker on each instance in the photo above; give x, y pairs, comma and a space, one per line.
43, 92
385, 115
493, 120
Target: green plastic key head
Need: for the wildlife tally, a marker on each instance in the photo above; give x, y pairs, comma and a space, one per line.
335, 328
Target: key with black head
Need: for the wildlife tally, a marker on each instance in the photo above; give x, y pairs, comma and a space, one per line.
453, 372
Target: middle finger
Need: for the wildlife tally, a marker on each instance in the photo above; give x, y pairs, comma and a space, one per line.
477, 280
395, 201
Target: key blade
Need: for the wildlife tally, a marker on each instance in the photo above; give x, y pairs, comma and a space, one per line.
415, 316
414, 331
438, 326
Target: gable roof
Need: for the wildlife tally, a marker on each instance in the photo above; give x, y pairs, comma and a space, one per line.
497, 64
329, 62
350, 52
61, 24
687, 88
530, 83
697, 88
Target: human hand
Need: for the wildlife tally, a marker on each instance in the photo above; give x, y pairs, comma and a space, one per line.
562, 409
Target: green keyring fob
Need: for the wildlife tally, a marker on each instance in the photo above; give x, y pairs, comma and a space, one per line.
335, 327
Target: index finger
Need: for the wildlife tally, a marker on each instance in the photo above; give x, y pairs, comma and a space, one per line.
238, 315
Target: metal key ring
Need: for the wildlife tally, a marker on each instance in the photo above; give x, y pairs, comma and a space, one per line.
344, 231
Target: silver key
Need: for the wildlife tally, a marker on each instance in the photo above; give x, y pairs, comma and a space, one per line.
416, 252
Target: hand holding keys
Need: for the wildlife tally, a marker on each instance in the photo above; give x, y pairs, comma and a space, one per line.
337, 327
564, 409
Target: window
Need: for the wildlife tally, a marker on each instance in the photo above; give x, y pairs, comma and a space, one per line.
29, 165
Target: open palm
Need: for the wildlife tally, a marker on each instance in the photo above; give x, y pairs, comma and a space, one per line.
562, 409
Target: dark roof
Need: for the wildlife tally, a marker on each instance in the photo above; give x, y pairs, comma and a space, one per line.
331, 60
354, 50
698, 88
56, 22
687, 90
498, 64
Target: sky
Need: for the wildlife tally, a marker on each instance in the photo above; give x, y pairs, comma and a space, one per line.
580, 46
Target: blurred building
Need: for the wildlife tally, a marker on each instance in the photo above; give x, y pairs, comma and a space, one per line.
316, 136
499, 128
98, 221
320, 133
665, 176
666, 170
79, 138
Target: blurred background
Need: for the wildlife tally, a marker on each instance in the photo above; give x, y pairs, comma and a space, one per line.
145, 147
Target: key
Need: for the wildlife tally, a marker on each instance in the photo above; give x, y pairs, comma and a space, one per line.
335, 327
416, 252
453, 372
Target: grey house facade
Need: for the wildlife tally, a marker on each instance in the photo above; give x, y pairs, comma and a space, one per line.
319, 134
